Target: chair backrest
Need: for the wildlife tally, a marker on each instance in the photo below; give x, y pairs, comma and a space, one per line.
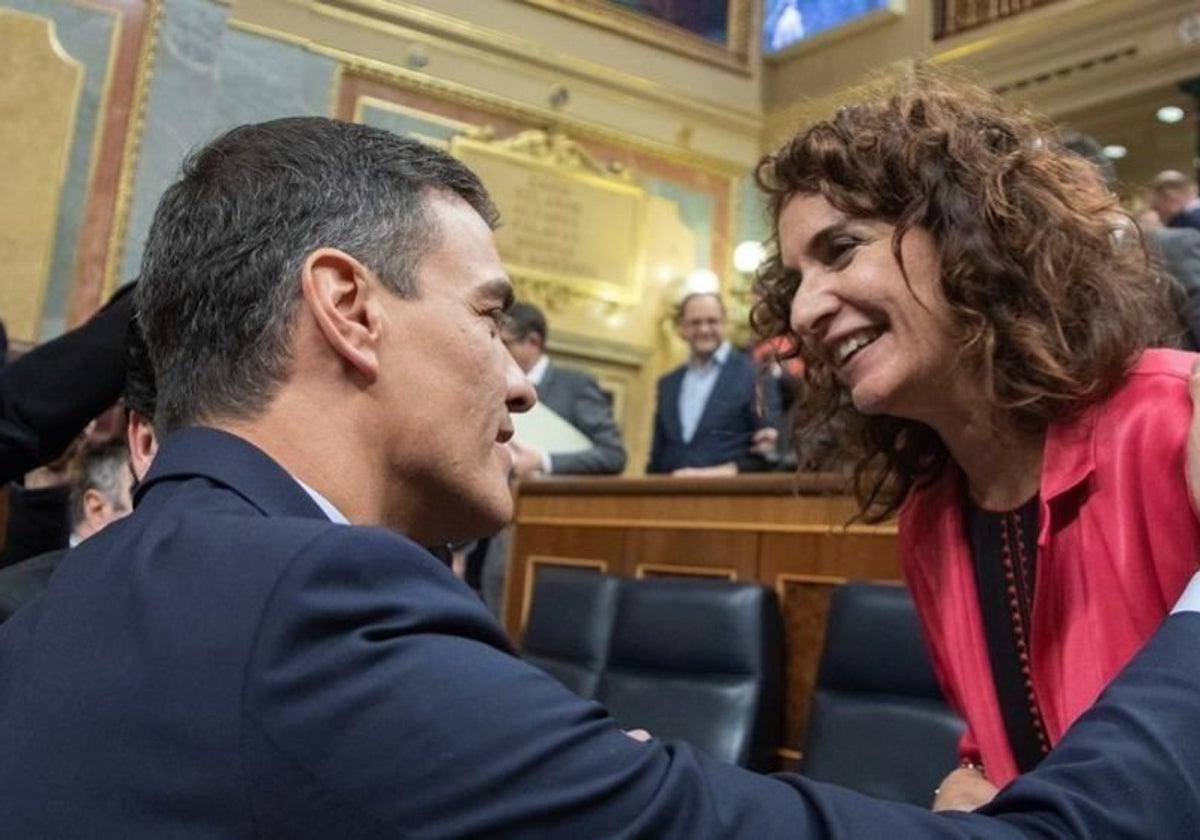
878, 723
570, 624
700, 661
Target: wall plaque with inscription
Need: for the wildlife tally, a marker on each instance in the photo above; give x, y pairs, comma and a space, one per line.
563, 219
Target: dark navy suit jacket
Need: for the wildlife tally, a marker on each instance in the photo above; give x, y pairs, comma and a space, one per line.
227, 663
727, 425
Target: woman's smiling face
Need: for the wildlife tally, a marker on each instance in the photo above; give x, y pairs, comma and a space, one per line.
891, 343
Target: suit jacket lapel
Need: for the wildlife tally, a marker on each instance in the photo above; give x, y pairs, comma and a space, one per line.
672, 387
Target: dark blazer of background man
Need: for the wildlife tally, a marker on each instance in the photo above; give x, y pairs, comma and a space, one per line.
572, 394
322, 304
730, 434
1179, 250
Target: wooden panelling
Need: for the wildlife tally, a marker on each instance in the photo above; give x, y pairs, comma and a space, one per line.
805, 604
724, 551
532, 543
786, 532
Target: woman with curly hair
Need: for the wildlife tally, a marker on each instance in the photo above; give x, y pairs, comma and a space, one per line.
974, 310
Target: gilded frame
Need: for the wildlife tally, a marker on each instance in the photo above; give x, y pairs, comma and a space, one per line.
733, 54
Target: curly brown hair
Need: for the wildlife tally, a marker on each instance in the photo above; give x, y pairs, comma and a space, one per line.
1053, 302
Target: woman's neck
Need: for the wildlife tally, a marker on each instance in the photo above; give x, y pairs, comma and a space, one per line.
1003, 467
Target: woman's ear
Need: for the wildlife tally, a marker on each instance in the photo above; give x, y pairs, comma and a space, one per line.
338, 292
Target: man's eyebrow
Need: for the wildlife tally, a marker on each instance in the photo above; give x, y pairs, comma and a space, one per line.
501, 289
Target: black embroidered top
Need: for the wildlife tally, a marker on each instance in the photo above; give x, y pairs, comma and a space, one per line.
1004, 551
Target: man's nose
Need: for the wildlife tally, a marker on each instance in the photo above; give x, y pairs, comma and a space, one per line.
520, 395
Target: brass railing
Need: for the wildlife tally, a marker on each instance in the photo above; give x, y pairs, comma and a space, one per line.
950, 17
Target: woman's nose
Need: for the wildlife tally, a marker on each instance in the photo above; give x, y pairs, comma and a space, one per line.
812, 307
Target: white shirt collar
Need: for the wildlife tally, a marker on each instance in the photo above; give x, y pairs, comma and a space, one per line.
324, 504
538, 372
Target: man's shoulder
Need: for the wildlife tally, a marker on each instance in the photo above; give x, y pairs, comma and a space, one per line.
570, 377
21, 581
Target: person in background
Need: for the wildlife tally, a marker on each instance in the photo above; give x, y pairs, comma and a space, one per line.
965, 305
1173, 198
101, 491
99, 495
573, 395
1178, 248
707, 417
264, 649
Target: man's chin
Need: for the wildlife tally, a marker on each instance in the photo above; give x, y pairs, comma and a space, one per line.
487, 522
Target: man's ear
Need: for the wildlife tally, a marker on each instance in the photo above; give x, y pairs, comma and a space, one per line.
95, 510
339, 293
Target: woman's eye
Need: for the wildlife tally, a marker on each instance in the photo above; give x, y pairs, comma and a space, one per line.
841, 250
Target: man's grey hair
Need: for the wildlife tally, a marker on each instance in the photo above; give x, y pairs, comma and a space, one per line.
220, 280
105, 469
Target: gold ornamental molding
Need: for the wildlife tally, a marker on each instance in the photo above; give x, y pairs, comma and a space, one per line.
133, 143
457, 35
554, 149
454, 93
454, 37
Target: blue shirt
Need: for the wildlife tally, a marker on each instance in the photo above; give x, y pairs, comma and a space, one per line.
698, 383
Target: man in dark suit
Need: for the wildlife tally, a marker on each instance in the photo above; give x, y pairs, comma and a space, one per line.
1178, 249
322, 304
1173, 197
706, 418
574, 396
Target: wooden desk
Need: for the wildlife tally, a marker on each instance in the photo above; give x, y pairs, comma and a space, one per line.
784, 531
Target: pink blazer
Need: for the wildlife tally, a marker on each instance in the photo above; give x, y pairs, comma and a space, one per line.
1117, 543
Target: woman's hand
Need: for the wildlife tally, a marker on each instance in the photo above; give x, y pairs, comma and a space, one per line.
965, 789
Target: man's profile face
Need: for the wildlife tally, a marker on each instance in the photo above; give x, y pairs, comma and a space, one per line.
449, 384
702, 326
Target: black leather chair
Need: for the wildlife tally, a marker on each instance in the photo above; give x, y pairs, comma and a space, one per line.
701, 661
570, 624
879, 723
